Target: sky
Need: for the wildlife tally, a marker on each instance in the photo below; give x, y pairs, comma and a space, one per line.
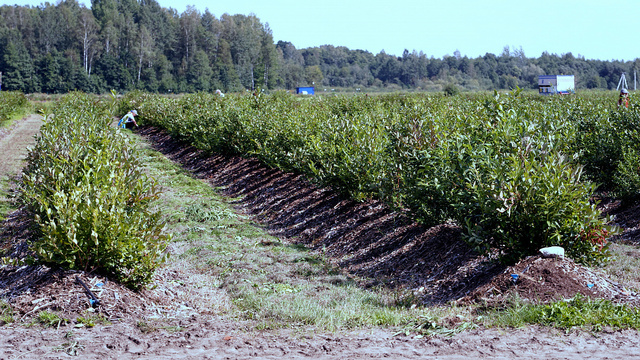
594, 29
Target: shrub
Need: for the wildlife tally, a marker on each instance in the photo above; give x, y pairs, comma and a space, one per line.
12, 102
506, 168
627, 174
90, 197
609, 142
451, 90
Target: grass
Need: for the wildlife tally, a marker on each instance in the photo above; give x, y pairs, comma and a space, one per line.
15, 116
6, 205
578, 312
91, 320
273, 283
6, 313
49, 319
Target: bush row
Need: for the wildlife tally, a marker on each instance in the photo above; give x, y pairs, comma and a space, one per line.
90, 197
608, 142
11, 102
507, 168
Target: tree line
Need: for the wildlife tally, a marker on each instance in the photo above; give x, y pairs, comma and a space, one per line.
137, 44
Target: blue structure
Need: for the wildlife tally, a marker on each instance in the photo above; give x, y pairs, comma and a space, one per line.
308, 90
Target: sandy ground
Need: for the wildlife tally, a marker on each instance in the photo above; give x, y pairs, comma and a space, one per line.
213, 337
219, 340
13, 145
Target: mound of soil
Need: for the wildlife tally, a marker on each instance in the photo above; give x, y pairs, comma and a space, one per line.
31, 289
547, 279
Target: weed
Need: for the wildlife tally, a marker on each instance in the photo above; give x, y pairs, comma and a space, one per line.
172, 328
71, 348
576, 312
207, 213
49, 319
6, 313
91, 320
146, 327
428, 325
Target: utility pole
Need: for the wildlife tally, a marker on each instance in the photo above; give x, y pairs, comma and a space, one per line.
0, 80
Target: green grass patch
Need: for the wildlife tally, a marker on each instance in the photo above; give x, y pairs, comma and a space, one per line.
13, 105
91, 320
6, 204
6, 313
14, 116
578, 312
49, 319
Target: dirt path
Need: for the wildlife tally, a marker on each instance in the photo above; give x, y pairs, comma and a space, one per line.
217, 340
13, 146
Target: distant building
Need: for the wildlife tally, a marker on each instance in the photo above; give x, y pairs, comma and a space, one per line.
308, 90
556, 84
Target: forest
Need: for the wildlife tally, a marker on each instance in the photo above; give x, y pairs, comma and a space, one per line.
137, 44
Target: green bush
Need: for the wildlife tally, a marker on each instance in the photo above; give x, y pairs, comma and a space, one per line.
451, 90
627, 174
12, 102
506, 168
608, 141
90, 197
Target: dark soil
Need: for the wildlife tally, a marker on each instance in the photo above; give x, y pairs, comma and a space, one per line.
627, 216
364, 238
384, 247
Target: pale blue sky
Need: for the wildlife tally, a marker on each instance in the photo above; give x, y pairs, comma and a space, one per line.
595, 29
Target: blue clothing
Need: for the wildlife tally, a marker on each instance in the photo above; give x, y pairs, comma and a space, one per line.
128, 118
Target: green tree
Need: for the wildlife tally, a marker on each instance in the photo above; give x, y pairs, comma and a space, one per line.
144, 49
49, 70
163, 70
18, 72
199, 73
115, 75
313, 75
267, 72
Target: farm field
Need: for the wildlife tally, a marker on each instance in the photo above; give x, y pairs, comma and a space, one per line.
239, 229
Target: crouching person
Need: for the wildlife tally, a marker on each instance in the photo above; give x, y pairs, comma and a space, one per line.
129, 118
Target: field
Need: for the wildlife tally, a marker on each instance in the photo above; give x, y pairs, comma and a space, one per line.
265, 263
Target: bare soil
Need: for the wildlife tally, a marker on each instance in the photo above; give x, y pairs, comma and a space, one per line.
14, 141
379, 246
